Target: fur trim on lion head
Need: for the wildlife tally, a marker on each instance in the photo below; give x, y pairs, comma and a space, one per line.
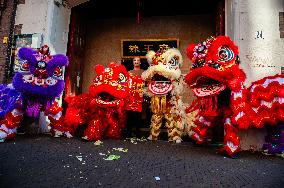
164, 67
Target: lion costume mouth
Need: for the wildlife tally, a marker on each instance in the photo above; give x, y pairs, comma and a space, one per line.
38, 81
160, 85
205, 86
107, 100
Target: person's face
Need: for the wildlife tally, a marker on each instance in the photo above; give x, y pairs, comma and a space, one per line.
136, 62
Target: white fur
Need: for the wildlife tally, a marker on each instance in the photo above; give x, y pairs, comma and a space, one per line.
162, 70
149, 56
170, 53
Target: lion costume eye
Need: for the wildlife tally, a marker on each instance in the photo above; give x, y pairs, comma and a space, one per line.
58, 72
173, 62
225, 54
98, 79
121, 78
24, 66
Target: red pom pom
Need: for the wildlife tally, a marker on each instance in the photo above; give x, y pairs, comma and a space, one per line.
189, 51
99, 69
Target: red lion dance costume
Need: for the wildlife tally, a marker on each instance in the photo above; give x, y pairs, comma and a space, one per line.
218, 83
103, 109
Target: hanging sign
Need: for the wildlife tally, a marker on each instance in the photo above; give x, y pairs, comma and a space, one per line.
139, 47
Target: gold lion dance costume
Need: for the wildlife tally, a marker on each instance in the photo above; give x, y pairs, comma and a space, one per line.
164, 87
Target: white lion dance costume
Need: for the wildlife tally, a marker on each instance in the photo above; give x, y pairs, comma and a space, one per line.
165, 85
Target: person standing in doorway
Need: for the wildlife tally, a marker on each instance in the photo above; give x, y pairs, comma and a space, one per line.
134, 102
137, 71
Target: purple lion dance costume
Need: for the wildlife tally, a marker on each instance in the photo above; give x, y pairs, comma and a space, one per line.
38, 81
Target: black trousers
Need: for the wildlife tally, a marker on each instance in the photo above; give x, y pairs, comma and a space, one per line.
133, 123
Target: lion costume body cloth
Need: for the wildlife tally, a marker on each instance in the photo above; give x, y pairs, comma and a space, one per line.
165, 85
218, 83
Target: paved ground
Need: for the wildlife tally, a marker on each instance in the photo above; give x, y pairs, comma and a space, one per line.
43, 161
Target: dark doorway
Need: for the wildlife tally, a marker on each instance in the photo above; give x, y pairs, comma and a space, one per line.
96, 28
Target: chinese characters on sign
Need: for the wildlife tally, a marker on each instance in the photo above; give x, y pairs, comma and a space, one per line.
133, 49
139, 47
147, 47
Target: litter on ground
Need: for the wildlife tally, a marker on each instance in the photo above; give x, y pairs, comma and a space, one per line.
112, 157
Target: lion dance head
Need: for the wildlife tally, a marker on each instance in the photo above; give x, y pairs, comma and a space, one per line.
215, 73
111, 86
39, 77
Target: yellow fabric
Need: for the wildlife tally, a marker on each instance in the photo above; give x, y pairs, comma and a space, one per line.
159, 104
156, 123
160, 111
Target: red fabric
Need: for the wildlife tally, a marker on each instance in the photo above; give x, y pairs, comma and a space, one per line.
231, 135
135, 99
55, 108
57, 124
105, 117
264, 98
11, 121
189, 51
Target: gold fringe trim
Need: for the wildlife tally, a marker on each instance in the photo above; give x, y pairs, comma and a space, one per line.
156, 123
159, 104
